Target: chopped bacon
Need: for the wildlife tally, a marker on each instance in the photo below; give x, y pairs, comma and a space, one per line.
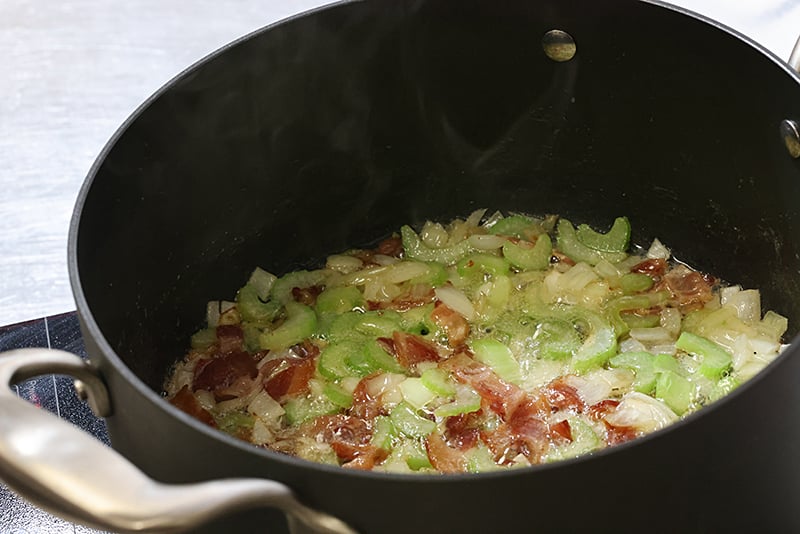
454, 323
411, 349
391, 246
688, 289
292, 380
367, 458
416, 296
185, 401
561, 431
562, 396
463, 430
365, 406
601, 409
306, 295
306, 349
619, 434
349, 436
219, 374
443, 458
653, 267
500, 396
230, 338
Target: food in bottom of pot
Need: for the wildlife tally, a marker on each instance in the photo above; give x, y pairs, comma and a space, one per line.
488, 343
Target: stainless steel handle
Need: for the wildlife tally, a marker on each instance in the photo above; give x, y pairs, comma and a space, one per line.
55, 465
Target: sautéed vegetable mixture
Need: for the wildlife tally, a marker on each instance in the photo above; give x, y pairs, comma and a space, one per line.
488, 343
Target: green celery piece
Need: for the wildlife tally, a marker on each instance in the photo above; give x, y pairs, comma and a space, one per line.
640, 321
555, 338
252, 336
301, 409
252, 309
418, 321
481, 263
641, 363
725, 385
342, 327
415, 249
600, 344
568, 243
513, 225
480, 459
716, 360
380, 359
536, 258
415, 393
300, 324
332, 362
635, 283
406, 420
416, 456
235, 423
631, 302
584, 440
676, 391
438, 382
615, 240
384, 433
337, 395
466, 400
281, 290
667, 362
204, 338
498, 357
436, 276
338, 300
379, 323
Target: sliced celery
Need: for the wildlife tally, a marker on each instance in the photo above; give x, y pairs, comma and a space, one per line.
635, 283
632, 302
555, 339
568, 243
262, 281
337, 395
253, 309
415, 249
300, 324
438, 382
676, 391
281, 290
384, 433
584, 440
418, 321
641, 363
716, 360
301, 409
615, 240
416, 393
667, 362
338, 300
466, 400
600, 343
406, 420
481, 263
536, 258
497, 356
333, 359
513, 225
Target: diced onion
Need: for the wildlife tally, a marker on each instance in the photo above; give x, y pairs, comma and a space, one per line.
642, 412
600, 384
486, 241
434, 235
456, 300
658, 250
265, 408
650, 336
343, 263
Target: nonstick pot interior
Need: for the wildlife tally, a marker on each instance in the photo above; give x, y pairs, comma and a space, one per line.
333, 129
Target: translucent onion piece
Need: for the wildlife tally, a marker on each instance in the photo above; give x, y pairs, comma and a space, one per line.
342, 263
658, 250
642, 412
456, 300
486, 241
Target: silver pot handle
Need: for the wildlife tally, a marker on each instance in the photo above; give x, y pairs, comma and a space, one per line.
794, 58
53, 464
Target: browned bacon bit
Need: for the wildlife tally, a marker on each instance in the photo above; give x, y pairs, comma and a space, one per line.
561, 431
443, 458
601, 409
306, 349
387, 344
416, 296
500, 396
653, 267
562, 396
349, 436
367, 458
411, 349
506, 442
365, 406
219, 374
306, 295
185, 401
453, 323
293, 380
391, 246
689, 289
230, 338
618, 434
463, 430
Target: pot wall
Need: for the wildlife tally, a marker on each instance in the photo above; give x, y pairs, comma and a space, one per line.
334, 129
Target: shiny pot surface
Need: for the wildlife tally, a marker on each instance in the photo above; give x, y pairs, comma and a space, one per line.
333, 129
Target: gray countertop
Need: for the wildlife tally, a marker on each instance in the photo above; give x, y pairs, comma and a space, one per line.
73, 70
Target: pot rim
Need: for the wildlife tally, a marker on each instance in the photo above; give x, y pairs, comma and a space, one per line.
91, 325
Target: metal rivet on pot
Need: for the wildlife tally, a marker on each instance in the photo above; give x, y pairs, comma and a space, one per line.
791, 137
558, 45
80, 389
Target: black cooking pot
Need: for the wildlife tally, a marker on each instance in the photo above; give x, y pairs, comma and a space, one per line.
334, 128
